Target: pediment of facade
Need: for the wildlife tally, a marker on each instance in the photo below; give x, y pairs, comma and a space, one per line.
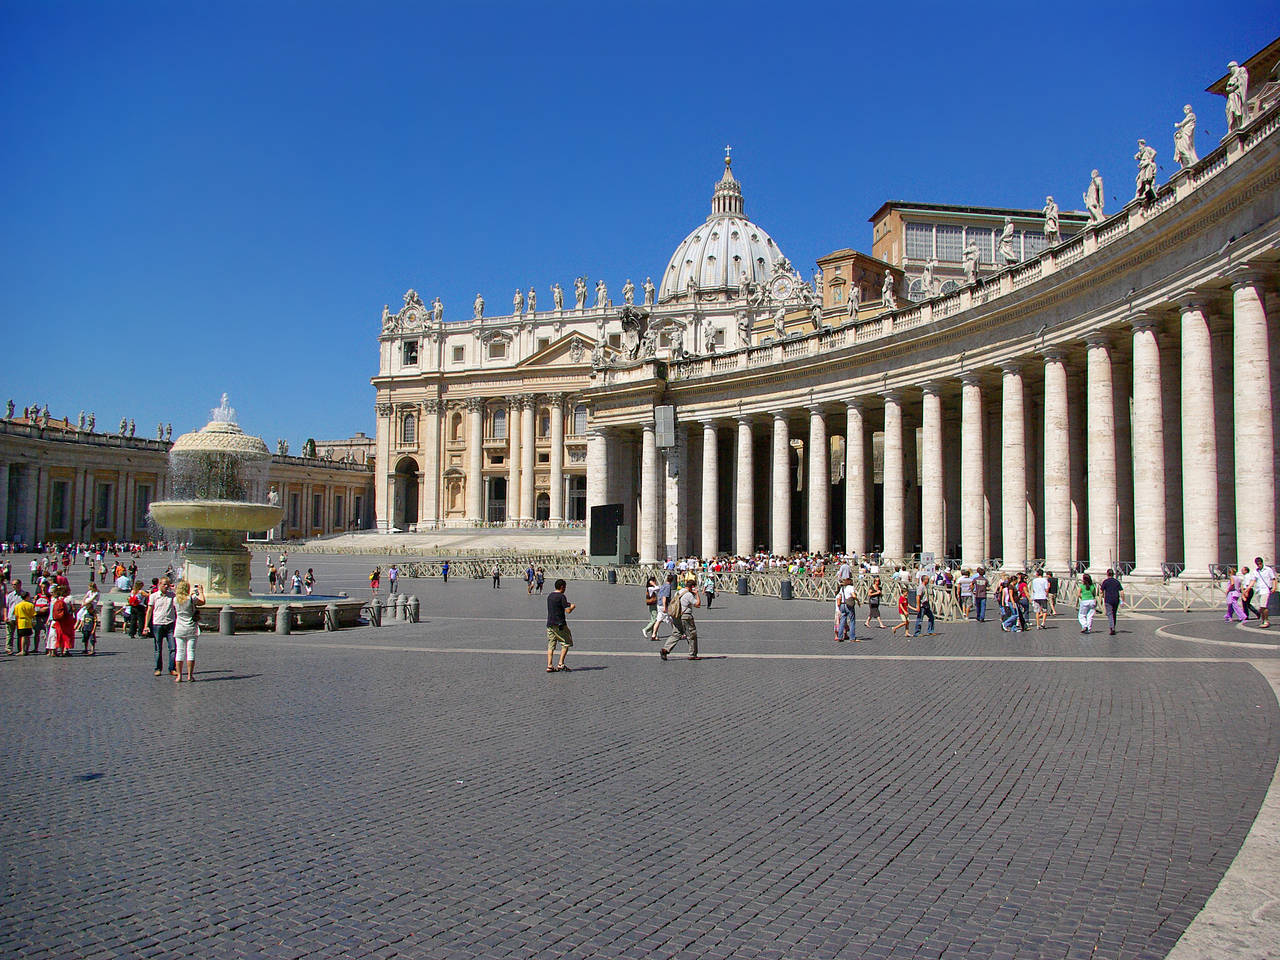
571, 350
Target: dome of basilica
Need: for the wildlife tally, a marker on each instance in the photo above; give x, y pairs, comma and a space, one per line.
716, 253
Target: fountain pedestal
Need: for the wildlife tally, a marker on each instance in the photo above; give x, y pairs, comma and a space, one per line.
217, 558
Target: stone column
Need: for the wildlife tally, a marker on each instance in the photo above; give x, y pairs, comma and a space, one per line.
855, 478
819, 482
513, 457
895, 489
4, 500
528, 456
650, 503
1057, 465
429, 508
1013, 468
383, 498
933, 536
745, 504
1224, 429
1149, 509
475, 460
598, 444
1100, 442
1199, 443
710, 491
1254, 440
780, 514
555, 487
972, 470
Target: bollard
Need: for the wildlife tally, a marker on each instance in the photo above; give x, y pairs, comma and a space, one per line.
331, 616
226, 621
411, 606
375, 612
784, 590
282, 619
613, 576
402, 607
743, 588
108, 616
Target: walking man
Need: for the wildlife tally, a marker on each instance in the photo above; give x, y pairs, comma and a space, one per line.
393, 578
682, 623
558, 609
161, 616
1040, 597
1264, 581
978, 587
665, 593
845, 612
1112, 596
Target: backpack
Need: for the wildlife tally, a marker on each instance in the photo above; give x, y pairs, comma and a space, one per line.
673, 604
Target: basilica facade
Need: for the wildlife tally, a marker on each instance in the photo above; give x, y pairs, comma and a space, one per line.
1101, 398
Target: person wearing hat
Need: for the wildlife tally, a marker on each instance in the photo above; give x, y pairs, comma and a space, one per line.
682, 624
845, 603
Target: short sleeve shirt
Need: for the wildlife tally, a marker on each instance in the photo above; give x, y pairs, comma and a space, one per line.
979, 587
687, 600
1110, 588
164, 609
557, 604
1040, 589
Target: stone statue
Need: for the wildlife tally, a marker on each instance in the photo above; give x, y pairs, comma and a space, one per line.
124, 425
602, 294
44, 415
309, 448
8, 409
411, 300
691, 287
888, 298
628, 292
273, 497
855, 301
159, 431
648, 292
597, 354
744, 329
387, 320
634, 325
744, 283
1094, 198
557, 296
971, 256
649, 345
477, 308
1007, 253
580, 292
517, 303
1184, 138
815, 314
926, 278
677, 344
1051, 232
282, 447
1237, 96
437, 310
817, 284
92, 421
168, 430
131, 426
80, 420
708, 336
780, 322
1145, 182
532, 299
575, 351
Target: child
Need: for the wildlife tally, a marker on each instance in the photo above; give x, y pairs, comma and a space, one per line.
904, 613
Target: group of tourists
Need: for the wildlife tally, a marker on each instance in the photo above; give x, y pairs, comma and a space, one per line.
1248, 591
671, 604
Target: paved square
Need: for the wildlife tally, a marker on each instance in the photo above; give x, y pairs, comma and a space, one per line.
427, 790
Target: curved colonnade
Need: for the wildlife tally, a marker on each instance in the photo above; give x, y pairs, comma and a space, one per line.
1110, 402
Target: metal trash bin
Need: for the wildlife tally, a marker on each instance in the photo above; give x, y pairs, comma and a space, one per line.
743, 586
784, 590
612, 576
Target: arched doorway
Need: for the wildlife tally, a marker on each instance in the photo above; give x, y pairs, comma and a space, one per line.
405, 508
542, 509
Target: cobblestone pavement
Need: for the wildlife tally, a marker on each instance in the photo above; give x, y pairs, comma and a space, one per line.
427, 790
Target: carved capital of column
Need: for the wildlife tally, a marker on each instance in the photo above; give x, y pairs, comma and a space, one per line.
1189, 300
857, 403
931, 388
818, 408
1247, 275
431, 405
521, 402
384, 410
1098, 340
474, 404
891, 395
555, 399
1140, 322
1054, 353
971, 378
1011, 367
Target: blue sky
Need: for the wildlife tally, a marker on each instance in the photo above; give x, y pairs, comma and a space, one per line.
221, 196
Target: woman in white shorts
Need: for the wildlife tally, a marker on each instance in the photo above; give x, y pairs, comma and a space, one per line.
188, 599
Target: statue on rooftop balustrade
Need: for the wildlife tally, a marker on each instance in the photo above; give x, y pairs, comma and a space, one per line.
1145, 182
1184, 138
1051, 231
1094, 198
1237, 96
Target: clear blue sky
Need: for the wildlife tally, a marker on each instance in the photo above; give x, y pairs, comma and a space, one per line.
221, 196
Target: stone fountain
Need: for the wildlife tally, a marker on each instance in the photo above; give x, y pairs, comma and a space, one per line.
219, 483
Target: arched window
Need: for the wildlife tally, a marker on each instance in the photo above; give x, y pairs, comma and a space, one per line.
455, 427
499, 424
544, 423
409, 429
579, 419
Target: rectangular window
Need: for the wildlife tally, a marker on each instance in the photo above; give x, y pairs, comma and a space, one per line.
59, 497
919, 241
102, 499
295, 508
497, 350
982, 237
317, 510
543, 343
1033, 244
615, 340
337, 511
579, 420
718, 338
141, 504
950, 243
410, 355
357, 511
459, 354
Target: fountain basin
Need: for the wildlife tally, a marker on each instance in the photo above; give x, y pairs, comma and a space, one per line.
215, 515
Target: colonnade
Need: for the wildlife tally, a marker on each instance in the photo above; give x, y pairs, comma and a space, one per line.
1149, 442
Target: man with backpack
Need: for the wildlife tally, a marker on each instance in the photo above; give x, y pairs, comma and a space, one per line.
665, 593
845, 612
680, 610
